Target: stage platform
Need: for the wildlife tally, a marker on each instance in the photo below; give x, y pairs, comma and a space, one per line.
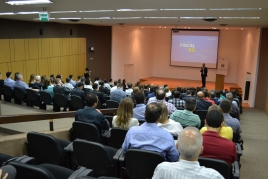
174, 83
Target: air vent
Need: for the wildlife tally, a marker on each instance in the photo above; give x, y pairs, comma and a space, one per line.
209, 20
74, 20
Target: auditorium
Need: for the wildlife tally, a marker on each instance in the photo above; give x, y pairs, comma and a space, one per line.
133, 89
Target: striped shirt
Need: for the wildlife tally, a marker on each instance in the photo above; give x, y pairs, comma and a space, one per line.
171, 108
185, 170
186, 118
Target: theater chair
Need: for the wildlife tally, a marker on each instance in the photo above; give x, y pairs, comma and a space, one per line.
139, 164
20, 96
227, 171
47, 171
202, 115
117, 137
77, 102
8, 93
111, 104
61, 101
86, 131
33, 98
109, 119
46, 149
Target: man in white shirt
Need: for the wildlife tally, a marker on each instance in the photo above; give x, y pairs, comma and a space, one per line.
114, 87
190, 146
129, 90
106, 84
68, 84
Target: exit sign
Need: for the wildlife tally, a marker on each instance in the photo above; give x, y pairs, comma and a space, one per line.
43, 16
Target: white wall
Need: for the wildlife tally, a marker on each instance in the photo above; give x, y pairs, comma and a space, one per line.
248, 60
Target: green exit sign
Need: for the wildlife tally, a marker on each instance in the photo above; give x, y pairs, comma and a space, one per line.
43, 16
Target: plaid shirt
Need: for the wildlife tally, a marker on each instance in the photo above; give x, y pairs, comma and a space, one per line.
171, 108
177, 102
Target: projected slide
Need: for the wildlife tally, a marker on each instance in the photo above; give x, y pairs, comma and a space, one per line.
193, 48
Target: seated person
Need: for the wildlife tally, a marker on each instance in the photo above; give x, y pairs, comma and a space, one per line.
201, 103
79, 91
98, 93
216, 146
235, 110
88, 87
188, 95
207, 97
150, 137
47, 87
114, 87
186, 117
31, 81
225, 131
72, 81
151, 93
214, 98
21, 84
60, 89
37, 83
68, 84
107, 85
8, 81
118, 94
129, 90
171, 126
103, 89
138, 111
178, 103
167, 91
190, 147
124, 118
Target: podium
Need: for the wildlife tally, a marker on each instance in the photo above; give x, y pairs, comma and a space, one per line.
221, 72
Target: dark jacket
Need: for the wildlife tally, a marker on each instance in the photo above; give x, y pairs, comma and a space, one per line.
202, 104
104, 90
62, 90
79, 92
205, 71
87, 90
100, 96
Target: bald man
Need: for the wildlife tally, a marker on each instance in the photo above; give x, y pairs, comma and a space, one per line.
201, 103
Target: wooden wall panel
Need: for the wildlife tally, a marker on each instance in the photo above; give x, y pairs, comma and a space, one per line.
56, 46
19, 47
81, 64
17, 67
73, 66
30, 66
26, 43
82, 45
74, 46
44, 48
65, 44
12, 50
54, 65
33, 49
4, 51
4, 69
43, 67
64, 67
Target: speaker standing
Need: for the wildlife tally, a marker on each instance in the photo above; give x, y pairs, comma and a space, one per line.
204, 72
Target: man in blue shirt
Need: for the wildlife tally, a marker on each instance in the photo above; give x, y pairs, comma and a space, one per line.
118, 94
150, 137
21, 84
72, 82
138, 111
8, 81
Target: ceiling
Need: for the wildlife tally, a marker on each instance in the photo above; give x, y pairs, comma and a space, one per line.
206, 5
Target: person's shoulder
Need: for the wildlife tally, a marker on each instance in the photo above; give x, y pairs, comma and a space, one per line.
164, 165
210, 173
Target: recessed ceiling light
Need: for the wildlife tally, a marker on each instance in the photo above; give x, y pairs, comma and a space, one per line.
189, 9
235, 9
27, 13
239, 17
198, 17
55, 12
29, 2
67, 18
141, 27
185, 27
161, 17
127, 17
98, 11
136, 9
97, 18
241, 28
165, 27
7, 13
226, 28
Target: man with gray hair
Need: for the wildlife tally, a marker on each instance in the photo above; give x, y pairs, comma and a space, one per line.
190, 147
37, 83
235, 110
20, 83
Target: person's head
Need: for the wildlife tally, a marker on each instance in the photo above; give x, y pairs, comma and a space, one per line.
83, 79
190, 104
205, 92
215, 107
204, 65
188, 92
52, 80
124, 81
16, 76
226, 106
59, 76
190, 143
166, 89
164, 114
212, 94
79, 77
52, 75
37, 79
120, 85
57, 81
115, 83
95, 86
179, 88
176, 94
105, 81
139, 97
193, 93
32, 78
110, 80
80, 85
46, 83
153, 112
136, 89
119, 80
152, 90
92, 100
87, 69
68, 80
200, 95
19, 76
214, 119
101, 83
9, 74
129, 85
160, 94
97, 78
43, 77
71, 76
124, 113
229, 96
87, 82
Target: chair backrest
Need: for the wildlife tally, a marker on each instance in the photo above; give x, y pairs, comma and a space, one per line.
219, 165
111, 104
8, 91
142, 163
30, 171
86, 131
99, 105
44, 148
109, 119
45, 97
202, 115
117, 137
77, 102
19, 93
60, 100
92, 155
32, 95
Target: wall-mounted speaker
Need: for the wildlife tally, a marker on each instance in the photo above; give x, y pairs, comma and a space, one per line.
71, 32
40, 31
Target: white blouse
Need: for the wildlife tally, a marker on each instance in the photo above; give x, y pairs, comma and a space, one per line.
132, 122
173, 127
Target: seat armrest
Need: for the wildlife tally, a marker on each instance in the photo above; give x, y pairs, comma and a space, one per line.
117, 154
238, 149
69, 148
235, 170
122, 157
81, 171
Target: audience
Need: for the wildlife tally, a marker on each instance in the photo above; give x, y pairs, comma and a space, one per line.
48, 88
78, 91
16, 76
160, 98
111, 83
235, 110
124, 83
61, 89
201, 103
103, 89
124, 118
118, 94
190, 147
31, 81
43, 77
129, 90
216, 146
150, 137
21, 84
72, 81
206, 97
167, 91
171, 126
107, 85
8, 81
138, 111
37, 83
214, 98
146, 90
188, 95
151, 94
176, 101
87, 74
114, 87
68, 84
225, 131
98, 93
186, 117
88, 87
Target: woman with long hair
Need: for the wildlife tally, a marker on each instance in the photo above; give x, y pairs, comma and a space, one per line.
47, 87
124, 118
171, 126
31, 80
43, 77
